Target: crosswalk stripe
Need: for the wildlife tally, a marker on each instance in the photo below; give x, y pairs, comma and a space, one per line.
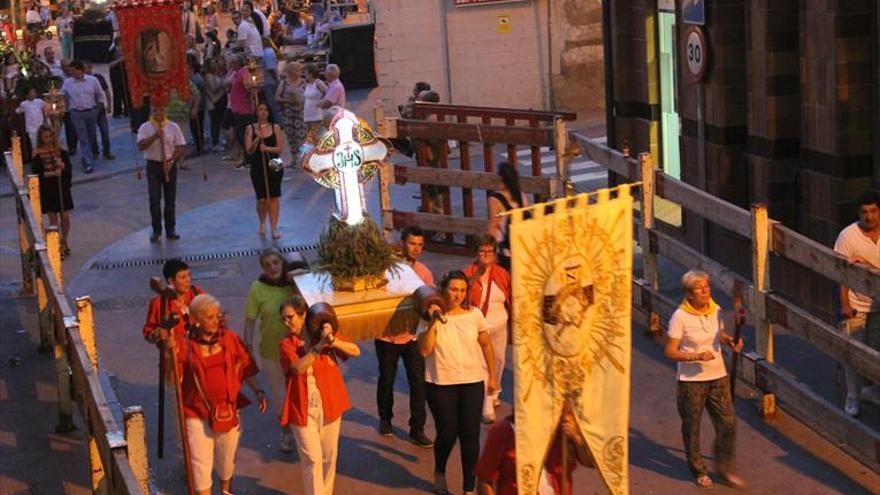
584, 165
528, 151
588, 176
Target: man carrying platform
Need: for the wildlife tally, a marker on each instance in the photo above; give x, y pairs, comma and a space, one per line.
391, 348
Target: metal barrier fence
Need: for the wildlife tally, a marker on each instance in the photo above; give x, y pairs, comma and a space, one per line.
768, 309
117, 436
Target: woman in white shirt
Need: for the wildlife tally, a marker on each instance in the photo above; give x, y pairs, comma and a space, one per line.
694, 339
313, 93
456, 353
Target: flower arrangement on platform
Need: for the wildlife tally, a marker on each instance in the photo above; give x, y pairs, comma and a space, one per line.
356, 257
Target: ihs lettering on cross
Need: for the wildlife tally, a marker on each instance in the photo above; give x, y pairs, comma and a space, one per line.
346, 157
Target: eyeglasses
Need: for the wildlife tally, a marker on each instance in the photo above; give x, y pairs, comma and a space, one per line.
487, 251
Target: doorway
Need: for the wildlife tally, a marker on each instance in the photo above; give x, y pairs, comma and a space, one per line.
669, 121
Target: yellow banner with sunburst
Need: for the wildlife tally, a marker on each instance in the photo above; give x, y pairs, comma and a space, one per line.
572, 279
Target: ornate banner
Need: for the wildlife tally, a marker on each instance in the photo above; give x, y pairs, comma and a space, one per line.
151, 37
572, 276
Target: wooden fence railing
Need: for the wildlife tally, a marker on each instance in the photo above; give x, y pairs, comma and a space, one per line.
440, 124
117, 437
767, 309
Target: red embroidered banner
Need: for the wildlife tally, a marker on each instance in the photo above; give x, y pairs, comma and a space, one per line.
151, 38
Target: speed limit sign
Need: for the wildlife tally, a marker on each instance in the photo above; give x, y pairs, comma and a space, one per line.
696, 52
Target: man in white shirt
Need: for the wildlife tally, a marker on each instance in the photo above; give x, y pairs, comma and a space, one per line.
247, 36
52, 63
163, 145
255, 17
860, 315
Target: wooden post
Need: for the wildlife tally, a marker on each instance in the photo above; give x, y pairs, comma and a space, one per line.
649, 258
560, 140
85, 315
99, 478
13, 157
136, 440
53, 249
650, 267
46, 324
33, 186
761, 276
379, 118
27, 275
17, 161
65, 401
386, 175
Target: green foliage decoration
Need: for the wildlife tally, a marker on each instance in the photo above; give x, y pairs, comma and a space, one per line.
351, 251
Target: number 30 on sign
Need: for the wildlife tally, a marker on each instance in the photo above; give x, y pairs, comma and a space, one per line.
696, 53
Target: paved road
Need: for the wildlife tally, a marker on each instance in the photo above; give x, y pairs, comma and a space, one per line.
111, 262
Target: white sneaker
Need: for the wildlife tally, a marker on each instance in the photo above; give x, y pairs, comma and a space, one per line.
851, 406
870, 395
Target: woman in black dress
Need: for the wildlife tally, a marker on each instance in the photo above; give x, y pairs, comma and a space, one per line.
52, 165
263, 141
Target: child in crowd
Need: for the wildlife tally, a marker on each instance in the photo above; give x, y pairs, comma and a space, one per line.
34, 110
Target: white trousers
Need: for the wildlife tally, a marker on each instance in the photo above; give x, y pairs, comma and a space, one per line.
317, 444
276, 382
210, 451
498, 334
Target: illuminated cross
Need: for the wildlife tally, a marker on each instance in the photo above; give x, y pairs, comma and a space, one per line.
345, 158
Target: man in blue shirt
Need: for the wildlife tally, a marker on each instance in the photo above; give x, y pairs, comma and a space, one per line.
83, 94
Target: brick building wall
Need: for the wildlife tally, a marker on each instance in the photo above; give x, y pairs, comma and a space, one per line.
790, 105
534, 64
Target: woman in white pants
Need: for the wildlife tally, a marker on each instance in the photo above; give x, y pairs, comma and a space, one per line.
490, 293
214, 363
316, 395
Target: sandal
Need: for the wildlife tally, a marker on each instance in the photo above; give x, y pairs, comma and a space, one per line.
733, 481
276, 235
704, 482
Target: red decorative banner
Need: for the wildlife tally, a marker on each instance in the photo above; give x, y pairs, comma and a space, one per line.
151, 38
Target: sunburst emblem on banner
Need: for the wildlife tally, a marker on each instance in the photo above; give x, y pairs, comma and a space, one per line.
576, 329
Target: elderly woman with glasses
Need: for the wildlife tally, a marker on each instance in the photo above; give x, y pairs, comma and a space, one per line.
315, 395
214, 364
490, 293
694, 339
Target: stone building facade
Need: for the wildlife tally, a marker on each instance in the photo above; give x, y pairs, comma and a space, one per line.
790, 109
536, 54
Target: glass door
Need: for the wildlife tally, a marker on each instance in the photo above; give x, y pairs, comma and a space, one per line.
669, 122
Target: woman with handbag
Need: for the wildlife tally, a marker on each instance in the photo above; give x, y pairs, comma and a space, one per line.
263, 142
508, 198
213, 363
316, 396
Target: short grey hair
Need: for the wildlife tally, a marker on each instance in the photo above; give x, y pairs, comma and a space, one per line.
332, 68
202, 303
689, 280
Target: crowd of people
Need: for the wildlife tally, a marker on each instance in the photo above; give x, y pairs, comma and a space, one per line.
453, 365
263, 119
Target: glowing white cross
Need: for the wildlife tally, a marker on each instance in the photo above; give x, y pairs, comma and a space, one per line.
355, 146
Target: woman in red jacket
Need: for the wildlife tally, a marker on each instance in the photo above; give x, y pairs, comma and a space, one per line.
213, 364
316, 396
490, 293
